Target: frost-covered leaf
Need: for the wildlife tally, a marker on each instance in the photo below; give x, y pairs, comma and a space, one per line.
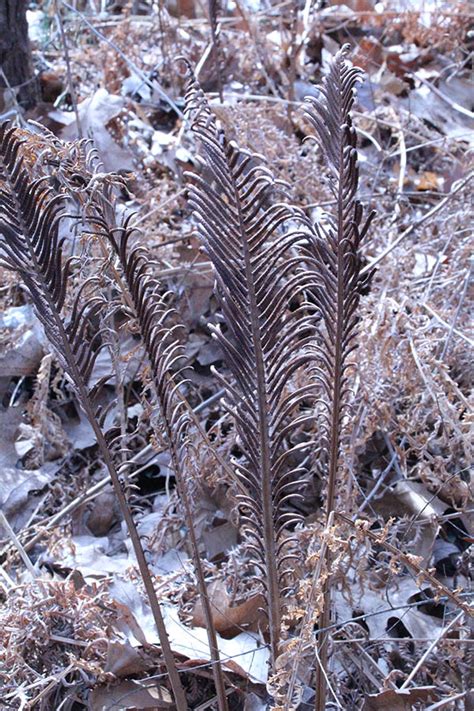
95, 113
245, 654
20, 490
383, 609
21, 342
91, 556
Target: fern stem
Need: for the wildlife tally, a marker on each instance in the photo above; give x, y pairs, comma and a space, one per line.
271, 560
198, 569
335, 444
337, 263
175, 681
135, 286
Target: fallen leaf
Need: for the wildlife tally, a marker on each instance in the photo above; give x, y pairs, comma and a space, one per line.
21, 342
369, 54
245, 654
399, 700
17, 487
412, 499
385, 608
124, 660
428, 181
228, 620
95, 112
129, 695
91, 555
102, 513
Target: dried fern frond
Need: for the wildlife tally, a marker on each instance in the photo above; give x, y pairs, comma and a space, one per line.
264, 342
335, 258
31, 246
335, 255
152, 312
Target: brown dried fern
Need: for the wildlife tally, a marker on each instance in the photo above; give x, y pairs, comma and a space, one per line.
264, 343
31, 246
334, 256
152, 312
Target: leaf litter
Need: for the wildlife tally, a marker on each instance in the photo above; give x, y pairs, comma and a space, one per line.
82, 622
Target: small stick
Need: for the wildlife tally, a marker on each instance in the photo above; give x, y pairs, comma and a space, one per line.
13, 97
445, 702
453, 104
11, 583
12, 535
456, 315
159, 207
431, 647
70, 83
448, 326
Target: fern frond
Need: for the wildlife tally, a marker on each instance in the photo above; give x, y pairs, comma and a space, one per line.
264, 343
31, 214
334, 256
152, 312
31, 246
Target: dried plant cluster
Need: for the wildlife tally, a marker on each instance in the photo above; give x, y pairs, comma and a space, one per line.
296, 375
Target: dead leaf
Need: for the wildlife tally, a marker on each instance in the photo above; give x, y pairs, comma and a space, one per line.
95, 113
129, 695
398, 700
385, 608
124, 660
428, 181
412, 499
219, 539
91, 555
21, 342
245, 654
356, 5
369, 54
228, 620
17, 499
10, 419
102, 514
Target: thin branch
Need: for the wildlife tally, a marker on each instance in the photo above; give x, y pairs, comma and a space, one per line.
456, 188
409, 561
430, 649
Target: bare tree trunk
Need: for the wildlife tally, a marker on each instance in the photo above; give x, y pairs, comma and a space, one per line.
15, 53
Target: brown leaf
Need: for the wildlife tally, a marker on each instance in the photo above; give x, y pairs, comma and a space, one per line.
124, 660
102, 513
228, 620
369, 54
129, 695
412, 499
428, 181
397, 700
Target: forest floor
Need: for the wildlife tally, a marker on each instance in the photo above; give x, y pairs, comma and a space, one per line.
75, 630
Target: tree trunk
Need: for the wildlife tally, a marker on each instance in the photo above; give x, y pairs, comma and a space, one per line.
15, 53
